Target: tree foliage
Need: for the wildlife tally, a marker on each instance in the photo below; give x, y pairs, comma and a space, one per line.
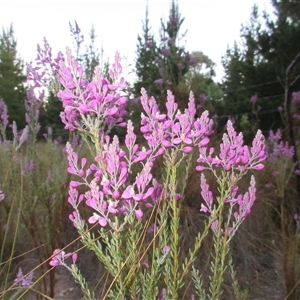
12, 79
161, 66
258, 65
50, 117
200, 80
145, 69
166, 65
88, 54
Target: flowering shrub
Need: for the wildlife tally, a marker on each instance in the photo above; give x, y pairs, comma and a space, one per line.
133, 224
127, 201
31, 192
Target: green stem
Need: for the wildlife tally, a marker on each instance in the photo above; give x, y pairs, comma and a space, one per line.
16, 230
174, 213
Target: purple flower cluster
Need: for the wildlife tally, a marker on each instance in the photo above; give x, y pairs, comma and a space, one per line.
253, 99
91, 104
234, 155
74, 30
235, 159
110, 186
243, 202
192, 60
3, 120
296, 98
58, 257
21, 136
32, 106
180, 65
159, 81
3, 114
23, 281
165, 51
174, 129
278, 148
97, 105
173, 20
46, 68
109, 192
149, 44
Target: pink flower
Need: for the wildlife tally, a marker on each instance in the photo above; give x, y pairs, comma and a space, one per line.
96, 218
180, 65
58, 257
206, 194
159, 81
23, 281
193, 60
3, 115
296, 97
234, 154
2, 196
253, 99
165, 51
166, 249
139, 213
148, 44
100, 97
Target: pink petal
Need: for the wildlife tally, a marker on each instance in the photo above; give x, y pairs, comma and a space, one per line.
93, 219
187, 149
128, 193
102, 222
83, 108
258, 167
139, 214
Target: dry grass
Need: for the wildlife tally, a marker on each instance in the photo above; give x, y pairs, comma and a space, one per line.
256, 248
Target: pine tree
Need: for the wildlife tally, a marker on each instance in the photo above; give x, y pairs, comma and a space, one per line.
91, 57
166, 65
12, 79
173, 60
258, 66
161, 66
145, 68
50, 117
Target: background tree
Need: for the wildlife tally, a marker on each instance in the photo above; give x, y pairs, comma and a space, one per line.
161, 66
145, 69
167, 65
173, 61
267, 64
49, 117
12, 79
269, 43
90, 57
200, 80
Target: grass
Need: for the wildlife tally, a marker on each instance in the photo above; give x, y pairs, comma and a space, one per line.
34, 222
